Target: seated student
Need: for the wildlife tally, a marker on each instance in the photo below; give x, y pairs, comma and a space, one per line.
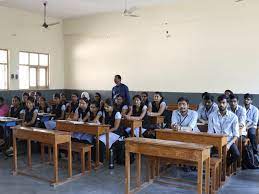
37, 97
184, 119
94, 115
252, 115
201, 105
30, 113
158, 106
72, 106
138, 112
25, 96
239, 111
225, 122
208, 107
144, 99
111, 117
98, 98
4, 109
120, 105
16, 107
63, 99
58, 109
81, 114
227, 94
43, 105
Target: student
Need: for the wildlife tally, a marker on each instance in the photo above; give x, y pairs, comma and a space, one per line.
120, 89
43, 105
144, 99
201, 105
121, 106
72, 106
16, 108
94, 115
25, 96
138, 112
81, 114
251, 120
228, 93
208, 107
158, 106
58, 109
98, 98
30, 113
239, 111
225, 122
63, 99
111, 117
85, 95
184, 119
4, 109
37, 97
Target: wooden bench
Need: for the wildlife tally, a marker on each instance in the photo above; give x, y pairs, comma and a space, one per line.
77, 147
218, 141
173, 107
166, 149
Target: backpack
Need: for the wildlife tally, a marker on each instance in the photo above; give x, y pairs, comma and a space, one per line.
119, 152
249, 159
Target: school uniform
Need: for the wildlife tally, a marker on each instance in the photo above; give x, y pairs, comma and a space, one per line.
73, 106
46, 109
121, 107
241, 115
57, 110
28, 115
203, 113
15, 111
136, 113
228, 125
189, 120
252, 116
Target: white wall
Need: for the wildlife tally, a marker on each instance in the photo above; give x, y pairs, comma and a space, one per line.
214, 45
21, 31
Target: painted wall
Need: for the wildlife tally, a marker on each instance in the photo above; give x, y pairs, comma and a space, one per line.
21, 31
213, 45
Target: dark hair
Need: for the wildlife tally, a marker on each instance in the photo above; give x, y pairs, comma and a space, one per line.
1, 99
25, 94
145, 93
247, 95
222, 97
183, 99
229, 91
38, 93
118, 76
62, 94
136, 96
84, 99
233, 96
43, 98
208, 96
109, 102
97, 104
56, 95
74, 94
31, 99
204, 94
119, 95
17, 98
98, 94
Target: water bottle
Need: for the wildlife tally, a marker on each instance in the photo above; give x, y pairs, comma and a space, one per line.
111, 160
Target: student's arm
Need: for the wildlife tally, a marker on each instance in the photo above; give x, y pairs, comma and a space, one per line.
235, 127
193, 123
97, 118
149, 108
160, 111
129, 113
76, 115
33, 120
85, 119
117, 122
242, 119
144, 112
174, 121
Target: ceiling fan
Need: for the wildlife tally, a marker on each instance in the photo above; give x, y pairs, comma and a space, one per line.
129, 11
45, 25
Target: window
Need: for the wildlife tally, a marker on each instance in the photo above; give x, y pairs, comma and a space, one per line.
33, 70
3, 69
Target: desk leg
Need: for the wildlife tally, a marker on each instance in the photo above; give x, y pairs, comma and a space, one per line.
42, 152
132, 130
107, 146
224, 163
140, 131
207, 176
55, 160
239, 161
97, 154
138, 163
29, 152
70, 160
15, 167
127, 171
199, 180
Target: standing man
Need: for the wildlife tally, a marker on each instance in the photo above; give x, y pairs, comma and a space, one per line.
120, 89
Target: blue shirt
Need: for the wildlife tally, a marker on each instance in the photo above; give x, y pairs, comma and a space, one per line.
241, 115
189, 120
252, 116
123, 90
227, 124
203, 113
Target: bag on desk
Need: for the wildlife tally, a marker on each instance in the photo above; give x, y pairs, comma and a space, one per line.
249, 159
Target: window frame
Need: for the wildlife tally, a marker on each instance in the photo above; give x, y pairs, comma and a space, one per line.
37, 67
7, 65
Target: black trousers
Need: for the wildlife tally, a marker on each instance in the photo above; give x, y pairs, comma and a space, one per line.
233, 155
252, 136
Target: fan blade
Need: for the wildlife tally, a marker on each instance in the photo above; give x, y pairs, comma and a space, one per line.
53, 24
132, 9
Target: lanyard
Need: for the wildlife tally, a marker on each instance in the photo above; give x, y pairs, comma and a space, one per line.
181, 121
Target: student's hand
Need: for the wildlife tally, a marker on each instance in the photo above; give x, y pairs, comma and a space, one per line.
150, 114
176, 127
127, 117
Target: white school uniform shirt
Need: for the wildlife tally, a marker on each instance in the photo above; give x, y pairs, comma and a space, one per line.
227, 124
204, 114
252, 116
241, 115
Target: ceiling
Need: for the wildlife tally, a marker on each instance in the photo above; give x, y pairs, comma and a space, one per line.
76, 8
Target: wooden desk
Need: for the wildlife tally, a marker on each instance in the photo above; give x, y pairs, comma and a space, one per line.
173, 107
92, 129
133, 124
157, 119
9, 121
217, 140
167, 149
53, 138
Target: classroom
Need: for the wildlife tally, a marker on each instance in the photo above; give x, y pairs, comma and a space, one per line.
129, 96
